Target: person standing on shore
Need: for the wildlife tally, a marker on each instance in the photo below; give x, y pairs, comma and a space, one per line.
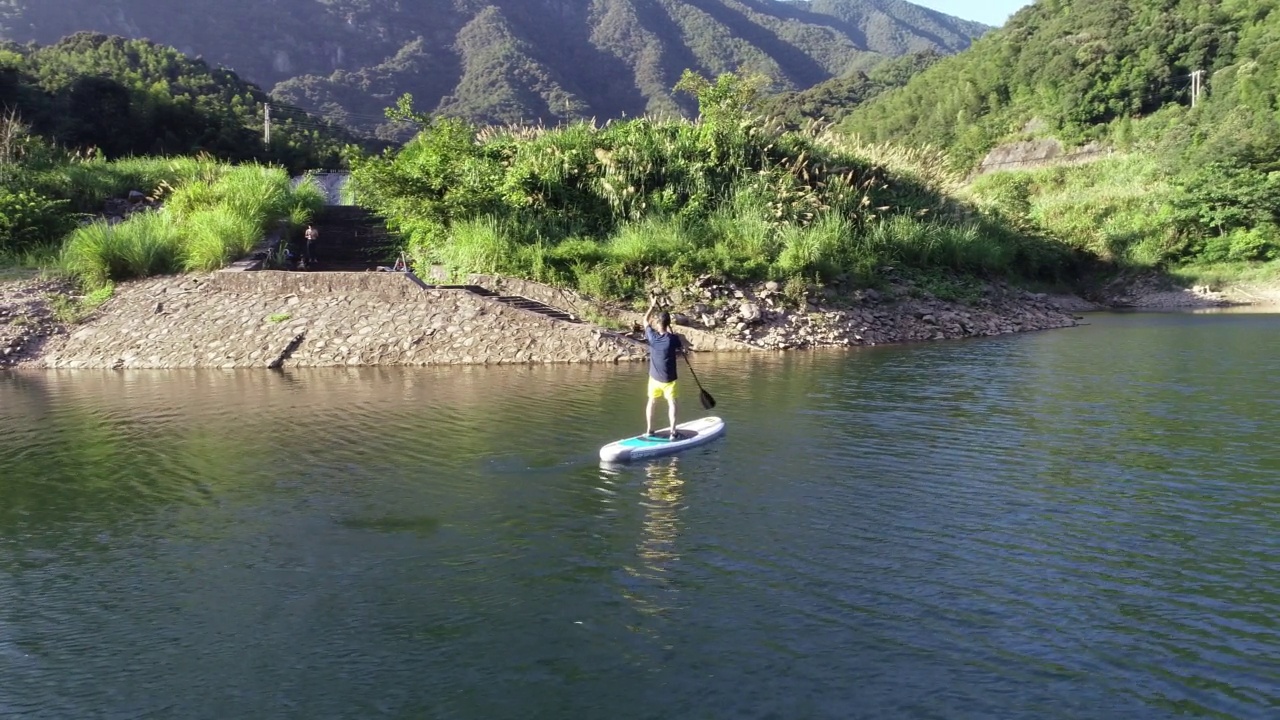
311, 235
663, 346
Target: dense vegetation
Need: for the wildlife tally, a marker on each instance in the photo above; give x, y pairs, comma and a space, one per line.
609, 209
505, 60
750, 189
132, 97
1193, 185
93, 118
211, 211
215, 214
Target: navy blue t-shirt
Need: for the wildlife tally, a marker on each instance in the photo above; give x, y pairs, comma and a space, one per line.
662, 354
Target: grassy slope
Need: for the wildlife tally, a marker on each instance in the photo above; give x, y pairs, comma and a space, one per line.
1194, 191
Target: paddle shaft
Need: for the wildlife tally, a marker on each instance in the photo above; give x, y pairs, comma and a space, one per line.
708, 402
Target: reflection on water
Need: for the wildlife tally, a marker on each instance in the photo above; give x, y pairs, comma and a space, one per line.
658, 551
663, 498
1078, 524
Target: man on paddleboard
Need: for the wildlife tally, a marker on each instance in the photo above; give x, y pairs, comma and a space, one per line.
663, 346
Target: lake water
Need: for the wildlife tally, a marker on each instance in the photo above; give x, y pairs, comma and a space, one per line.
1082, 523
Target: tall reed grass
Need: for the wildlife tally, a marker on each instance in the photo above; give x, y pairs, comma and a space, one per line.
147, 244
482, 245
610, 208
86, 183
219, 214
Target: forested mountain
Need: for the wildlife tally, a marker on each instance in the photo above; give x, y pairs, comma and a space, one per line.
831, 101
133, 97
1195, 179
506, 60
1070, 67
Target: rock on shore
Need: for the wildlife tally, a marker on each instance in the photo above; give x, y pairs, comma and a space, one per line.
1150, 291
762, 316
27, 320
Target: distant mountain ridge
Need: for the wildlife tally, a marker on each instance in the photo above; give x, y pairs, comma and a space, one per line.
506, 60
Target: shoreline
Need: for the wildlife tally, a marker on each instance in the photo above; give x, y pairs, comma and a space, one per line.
275, 320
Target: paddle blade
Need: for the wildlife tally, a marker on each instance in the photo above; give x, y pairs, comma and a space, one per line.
708, 402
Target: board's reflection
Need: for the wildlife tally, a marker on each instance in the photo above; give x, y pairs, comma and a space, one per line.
647, 583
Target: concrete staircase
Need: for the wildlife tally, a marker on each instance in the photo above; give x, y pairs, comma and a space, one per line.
517, 301
351, 238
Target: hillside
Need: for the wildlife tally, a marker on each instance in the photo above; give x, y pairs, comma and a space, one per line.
1190, 183
506, 60
1069, 66
133, 97
832, 100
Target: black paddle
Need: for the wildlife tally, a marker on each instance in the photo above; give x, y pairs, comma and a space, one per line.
708, 402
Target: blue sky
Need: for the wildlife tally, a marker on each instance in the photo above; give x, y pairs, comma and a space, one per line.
991, 12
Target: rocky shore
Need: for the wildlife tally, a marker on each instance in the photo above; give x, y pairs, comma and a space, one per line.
273, 319
763, 316
280, 319
27, 318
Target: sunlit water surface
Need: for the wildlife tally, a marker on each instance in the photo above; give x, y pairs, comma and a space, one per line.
1074, 524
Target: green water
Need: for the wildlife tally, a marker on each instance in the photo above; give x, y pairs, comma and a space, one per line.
1074, 524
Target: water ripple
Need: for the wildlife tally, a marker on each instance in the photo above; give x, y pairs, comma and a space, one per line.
1007, 528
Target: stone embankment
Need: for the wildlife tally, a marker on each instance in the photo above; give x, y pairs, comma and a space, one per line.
1042, 153
279, 319
585, 308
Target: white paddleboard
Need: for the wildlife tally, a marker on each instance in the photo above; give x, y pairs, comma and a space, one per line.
689, 434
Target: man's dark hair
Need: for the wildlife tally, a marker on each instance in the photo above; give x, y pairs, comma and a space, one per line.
664, 320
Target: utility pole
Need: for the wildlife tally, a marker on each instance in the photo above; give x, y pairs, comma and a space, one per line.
266, 124
1197, 85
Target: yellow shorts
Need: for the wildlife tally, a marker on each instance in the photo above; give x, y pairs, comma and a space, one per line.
660, 389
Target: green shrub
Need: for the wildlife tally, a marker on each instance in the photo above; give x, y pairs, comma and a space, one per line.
256, 193
608, 281
613, 208
654, 243
823, 248
146, 244
215, 216
1240, 245
744, 225
214, 237
86, 184
307, 199
28, 220
579, 251
483, 245
1008, 194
